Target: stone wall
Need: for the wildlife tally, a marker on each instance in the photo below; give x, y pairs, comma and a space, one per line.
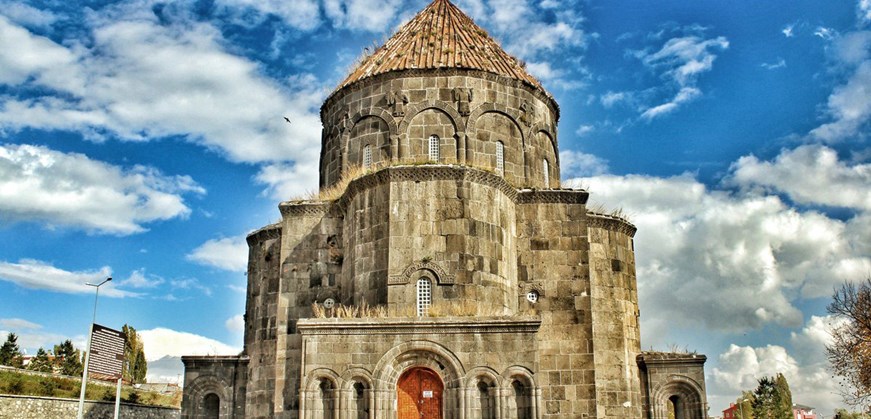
218, 379
616, 334
677, 378
502, 110
28, 407
481, 361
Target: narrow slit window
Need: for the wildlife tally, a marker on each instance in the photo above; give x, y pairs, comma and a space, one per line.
500, 157
367, 156
434, 147
546, 170
424, 296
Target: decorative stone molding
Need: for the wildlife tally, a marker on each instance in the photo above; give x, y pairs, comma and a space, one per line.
272, 231
385, 78
441, 276
303, 208
609, 222
486, 108
438, 105
553, 196
418, 325
376, 113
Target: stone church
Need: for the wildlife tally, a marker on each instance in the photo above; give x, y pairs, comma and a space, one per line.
442, 271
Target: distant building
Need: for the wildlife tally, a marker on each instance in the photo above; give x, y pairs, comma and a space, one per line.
800, 411
732, 412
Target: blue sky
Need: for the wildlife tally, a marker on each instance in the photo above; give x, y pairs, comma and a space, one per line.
142, 139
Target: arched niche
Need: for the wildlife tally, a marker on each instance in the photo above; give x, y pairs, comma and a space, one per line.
372, 131
491, 128
425, 124
683, 394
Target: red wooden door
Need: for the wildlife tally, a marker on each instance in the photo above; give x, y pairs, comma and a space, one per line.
419, 394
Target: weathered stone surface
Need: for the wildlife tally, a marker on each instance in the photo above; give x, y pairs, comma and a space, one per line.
533, 299
29, 407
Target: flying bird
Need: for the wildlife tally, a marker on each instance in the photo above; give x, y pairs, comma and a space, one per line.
287, 119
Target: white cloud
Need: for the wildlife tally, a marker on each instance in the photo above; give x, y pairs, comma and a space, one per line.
825, 33
36, 274
160, 342
723, 261
370, 15
781, 63
610, 98
299, 14
850, 107
863, 9
584, 130
740, 368
27, 15
235, 323
58, 189
575, 163
787, 30
853, 48
229, 253
140, 81
140, 279
18, 324
681, 60
31, 339
810, 174
290, 181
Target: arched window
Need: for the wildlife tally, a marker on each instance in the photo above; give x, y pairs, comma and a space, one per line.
546, 170
486, 400
424, 296
360, 400
325, 407
434, 147
367, 156
500, 157
520, 406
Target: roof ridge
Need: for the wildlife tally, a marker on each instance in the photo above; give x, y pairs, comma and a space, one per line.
440, 36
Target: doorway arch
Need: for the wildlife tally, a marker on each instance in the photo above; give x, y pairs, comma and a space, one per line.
419, 393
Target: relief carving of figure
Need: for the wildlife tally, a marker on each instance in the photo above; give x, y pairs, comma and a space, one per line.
462, 97
345, 124
527, 114
397, 101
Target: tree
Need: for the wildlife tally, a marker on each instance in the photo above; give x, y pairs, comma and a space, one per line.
783, 407
843, 414
40, 362
745, 405
10, 353
772, 399
135, 366
850, 350
68, 358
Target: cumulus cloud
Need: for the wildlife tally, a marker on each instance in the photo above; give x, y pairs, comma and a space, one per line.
849, 105
235, 323
863, 9
810, 174
370, 15
140, 279
34, 274
27, 15
740, 367
18, 324
787, 30
70, 190
140, 80
723, 261
160, 342
229, 253
575, 163
299, 14
681, 60
285, 181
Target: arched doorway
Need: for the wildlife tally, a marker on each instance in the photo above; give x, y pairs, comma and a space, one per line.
419, 394
211, 406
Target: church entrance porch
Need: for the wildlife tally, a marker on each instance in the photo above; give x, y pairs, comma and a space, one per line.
419, 394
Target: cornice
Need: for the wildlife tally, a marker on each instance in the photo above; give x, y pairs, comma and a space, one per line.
414, 325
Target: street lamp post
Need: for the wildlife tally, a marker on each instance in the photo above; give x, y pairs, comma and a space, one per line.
88, 348
741, 406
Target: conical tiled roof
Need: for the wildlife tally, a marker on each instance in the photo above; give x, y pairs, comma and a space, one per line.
440, 36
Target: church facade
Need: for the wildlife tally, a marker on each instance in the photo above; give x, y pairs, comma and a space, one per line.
442, 272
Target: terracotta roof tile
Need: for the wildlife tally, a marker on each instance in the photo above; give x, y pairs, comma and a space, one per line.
440, 36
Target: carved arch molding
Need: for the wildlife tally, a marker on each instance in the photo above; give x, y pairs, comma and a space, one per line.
442, 277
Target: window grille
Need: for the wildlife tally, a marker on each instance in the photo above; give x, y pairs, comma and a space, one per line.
424, 296
434, 148
500, 157
367, 156
546, 170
